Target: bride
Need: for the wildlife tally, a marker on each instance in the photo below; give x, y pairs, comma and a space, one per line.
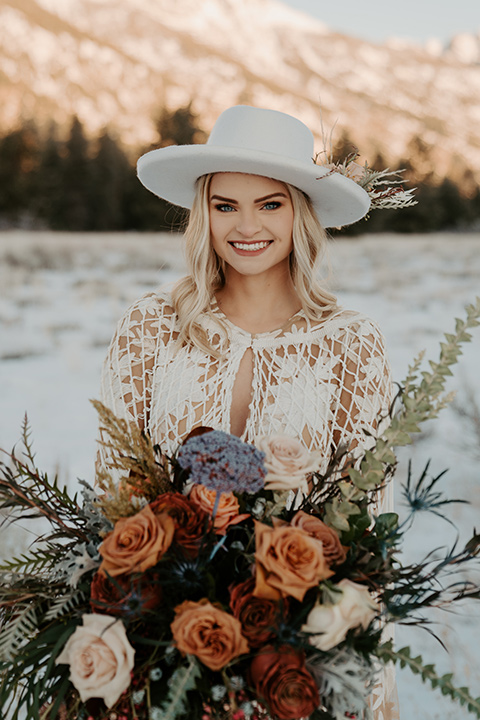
249, 342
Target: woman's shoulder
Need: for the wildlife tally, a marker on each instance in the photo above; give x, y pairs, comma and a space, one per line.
341, 321
150, 307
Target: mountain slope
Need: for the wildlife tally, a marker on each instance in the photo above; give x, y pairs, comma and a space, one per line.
114, 64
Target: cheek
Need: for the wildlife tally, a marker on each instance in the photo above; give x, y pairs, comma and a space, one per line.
219, 226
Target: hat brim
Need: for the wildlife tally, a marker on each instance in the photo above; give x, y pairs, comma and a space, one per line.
171, 173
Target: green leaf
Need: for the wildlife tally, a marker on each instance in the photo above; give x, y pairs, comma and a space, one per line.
183, 680
428, 674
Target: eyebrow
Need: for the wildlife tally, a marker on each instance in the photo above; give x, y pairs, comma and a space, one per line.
259, 200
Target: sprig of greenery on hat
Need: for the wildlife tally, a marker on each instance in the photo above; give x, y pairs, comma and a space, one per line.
384, 187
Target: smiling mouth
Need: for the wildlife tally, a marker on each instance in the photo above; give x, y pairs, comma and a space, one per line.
251, 247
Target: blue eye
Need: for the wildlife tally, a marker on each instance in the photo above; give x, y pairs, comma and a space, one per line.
224, 208
272, 205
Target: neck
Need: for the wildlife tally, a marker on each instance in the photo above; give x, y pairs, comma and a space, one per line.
258, 303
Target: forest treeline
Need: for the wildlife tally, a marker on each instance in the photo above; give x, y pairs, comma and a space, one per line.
82, 183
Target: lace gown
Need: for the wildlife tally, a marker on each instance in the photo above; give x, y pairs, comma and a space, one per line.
324, 381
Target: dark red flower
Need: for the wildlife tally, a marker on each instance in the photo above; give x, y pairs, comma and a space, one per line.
281, 679
124, 596
258, 616
190, 521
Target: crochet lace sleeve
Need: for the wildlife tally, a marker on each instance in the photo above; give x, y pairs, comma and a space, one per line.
365, 380
366, 391
128, 366
363, 413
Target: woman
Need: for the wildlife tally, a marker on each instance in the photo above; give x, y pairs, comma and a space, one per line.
249, 342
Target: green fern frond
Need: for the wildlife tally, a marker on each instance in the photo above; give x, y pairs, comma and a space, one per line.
26, 492
17, 631
421, 400
38, 561
183, 680
64, 604
422, 397
428, 674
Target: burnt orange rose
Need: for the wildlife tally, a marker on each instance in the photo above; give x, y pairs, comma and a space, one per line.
281, 679
333, 550
136, 543
288, 561
259, 617
190, 520
227, 510
209, 633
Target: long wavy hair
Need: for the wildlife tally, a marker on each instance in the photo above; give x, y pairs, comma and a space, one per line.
192, 295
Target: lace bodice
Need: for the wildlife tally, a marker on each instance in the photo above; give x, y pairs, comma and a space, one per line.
327, 382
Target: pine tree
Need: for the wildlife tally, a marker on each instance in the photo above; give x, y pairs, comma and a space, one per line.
110, 175
74, 212
48, 196
178, 127
19, 156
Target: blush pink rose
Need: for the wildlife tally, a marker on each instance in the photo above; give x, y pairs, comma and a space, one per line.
287, 461
100, 658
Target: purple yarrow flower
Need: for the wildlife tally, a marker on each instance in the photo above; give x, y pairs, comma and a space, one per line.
223, 462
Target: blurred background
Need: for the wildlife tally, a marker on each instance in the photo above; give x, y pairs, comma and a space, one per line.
86, 86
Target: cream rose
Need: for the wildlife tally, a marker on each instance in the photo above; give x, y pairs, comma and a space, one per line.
100, 658
329, 623
287, 461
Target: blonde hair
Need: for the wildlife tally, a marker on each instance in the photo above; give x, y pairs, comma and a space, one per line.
192, 295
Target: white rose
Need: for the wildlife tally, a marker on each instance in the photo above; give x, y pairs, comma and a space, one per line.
329, 623
287, 461
100, 658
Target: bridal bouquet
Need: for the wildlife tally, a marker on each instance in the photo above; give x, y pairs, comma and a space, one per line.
228, 582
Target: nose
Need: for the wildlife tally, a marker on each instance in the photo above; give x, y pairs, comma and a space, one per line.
248, 223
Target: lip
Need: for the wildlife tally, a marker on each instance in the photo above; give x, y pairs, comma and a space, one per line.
250, 253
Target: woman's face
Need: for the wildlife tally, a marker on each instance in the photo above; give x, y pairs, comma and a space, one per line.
251, 222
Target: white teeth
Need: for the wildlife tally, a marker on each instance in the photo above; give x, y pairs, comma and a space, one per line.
251, 246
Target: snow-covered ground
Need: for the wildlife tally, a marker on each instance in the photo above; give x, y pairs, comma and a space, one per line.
61, 295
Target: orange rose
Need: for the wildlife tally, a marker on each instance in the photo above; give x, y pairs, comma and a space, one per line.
333, 551
289, 561
212, 635
136, 543
227, 510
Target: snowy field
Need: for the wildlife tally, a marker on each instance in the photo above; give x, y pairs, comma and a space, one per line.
62, 294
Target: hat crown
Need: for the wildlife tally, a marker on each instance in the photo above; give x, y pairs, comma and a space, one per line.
260, 130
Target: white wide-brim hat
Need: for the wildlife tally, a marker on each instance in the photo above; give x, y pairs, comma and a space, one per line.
259, 142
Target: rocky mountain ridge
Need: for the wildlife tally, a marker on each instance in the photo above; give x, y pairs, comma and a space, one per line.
116, 63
